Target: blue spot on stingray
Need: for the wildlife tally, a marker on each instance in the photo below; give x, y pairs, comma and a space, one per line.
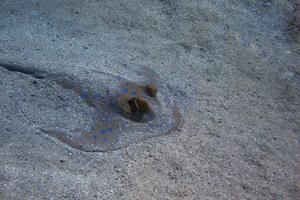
95, 118
109, 130
124, 90
84, 95
96, 95
133, 93
105, 140
103, 131
115, 95
93, 105
94, 137
106, 119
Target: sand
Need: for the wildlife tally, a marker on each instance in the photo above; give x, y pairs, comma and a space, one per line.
232, 67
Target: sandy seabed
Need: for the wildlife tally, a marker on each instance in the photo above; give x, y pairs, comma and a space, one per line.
231, 66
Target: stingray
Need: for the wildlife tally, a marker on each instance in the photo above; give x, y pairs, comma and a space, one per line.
127, 110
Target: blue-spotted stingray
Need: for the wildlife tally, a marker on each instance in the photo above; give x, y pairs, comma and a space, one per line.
127, 110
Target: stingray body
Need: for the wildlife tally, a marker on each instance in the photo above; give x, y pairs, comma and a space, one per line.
127, 110
116, 126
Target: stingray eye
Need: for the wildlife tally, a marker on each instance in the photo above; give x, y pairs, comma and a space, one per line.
139, 108
133, 105
142, 105
151, 90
